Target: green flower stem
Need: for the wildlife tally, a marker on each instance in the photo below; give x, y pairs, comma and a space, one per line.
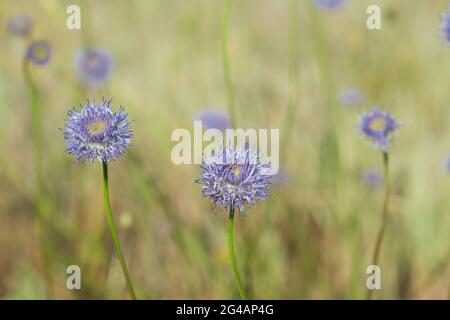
226, 62
384, 214
39, 196
233, 258
113, 230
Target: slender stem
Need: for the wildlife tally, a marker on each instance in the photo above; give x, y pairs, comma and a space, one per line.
113, 230
233, 258
39, 196
226, 62
384, 214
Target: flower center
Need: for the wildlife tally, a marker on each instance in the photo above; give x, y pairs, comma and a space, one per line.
94, 61
378, 124
96, 127
236, 170
40, 52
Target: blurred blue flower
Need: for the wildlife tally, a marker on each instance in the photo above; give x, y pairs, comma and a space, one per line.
214, 120
329, 4
445, 27
235, 178
351, 97
447, 164
96, 132
20, 25
93, 66
282, 178
372, 178
39, 52
378, 127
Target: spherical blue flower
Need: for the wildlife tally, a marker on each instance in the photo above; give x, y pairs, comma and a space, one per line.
20, 25
372, 178
96, 132
351, 97
378, 127
445, 27
39, 52
235, 178
93, 66
329, 4
214, 120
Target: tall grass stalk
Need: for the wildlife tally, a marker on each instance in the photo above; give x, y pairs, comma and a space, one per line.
113, 230
39, 195
237, 278
226, 62
384, 215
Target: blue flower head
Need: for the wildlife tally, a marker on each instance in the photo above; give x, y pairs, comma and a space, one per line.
329, 4
445, 26
93, 66
351, 97
20, 25
372, 178
96, 132
235, 178
378, 127
214, 120
39, 52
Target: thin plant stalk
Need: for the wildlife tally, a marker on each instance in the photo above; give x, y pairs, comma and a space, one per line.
226, 62
237, 278
39, 196
384, 213
113, 230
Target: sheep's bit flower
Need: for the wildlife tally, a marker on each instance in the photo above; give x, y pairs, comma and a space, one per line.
378, 127
96, 132
445, 26
235, 178
39, 52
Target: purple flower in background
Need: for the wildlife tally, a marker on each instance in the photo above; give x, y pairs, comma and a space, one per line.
235, 178
93, 66
378, 127
214, 120
39, 52
447, 164
329, 4
282, 178
445, 27
351, 97
20, 25
96, 132
372, 178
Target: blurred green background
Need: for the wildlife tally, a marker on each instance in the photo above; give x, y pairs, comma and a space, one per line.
289, 61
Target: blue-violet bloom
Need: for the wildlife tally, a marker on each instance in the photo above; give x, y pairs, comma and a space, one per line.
39, 52
20, 25
214, 120
378, 127
93, 66
329, 4
96, 132
235, 178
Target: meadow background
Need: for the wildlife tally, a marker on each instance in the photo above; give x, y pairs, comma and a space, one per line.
289, 62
